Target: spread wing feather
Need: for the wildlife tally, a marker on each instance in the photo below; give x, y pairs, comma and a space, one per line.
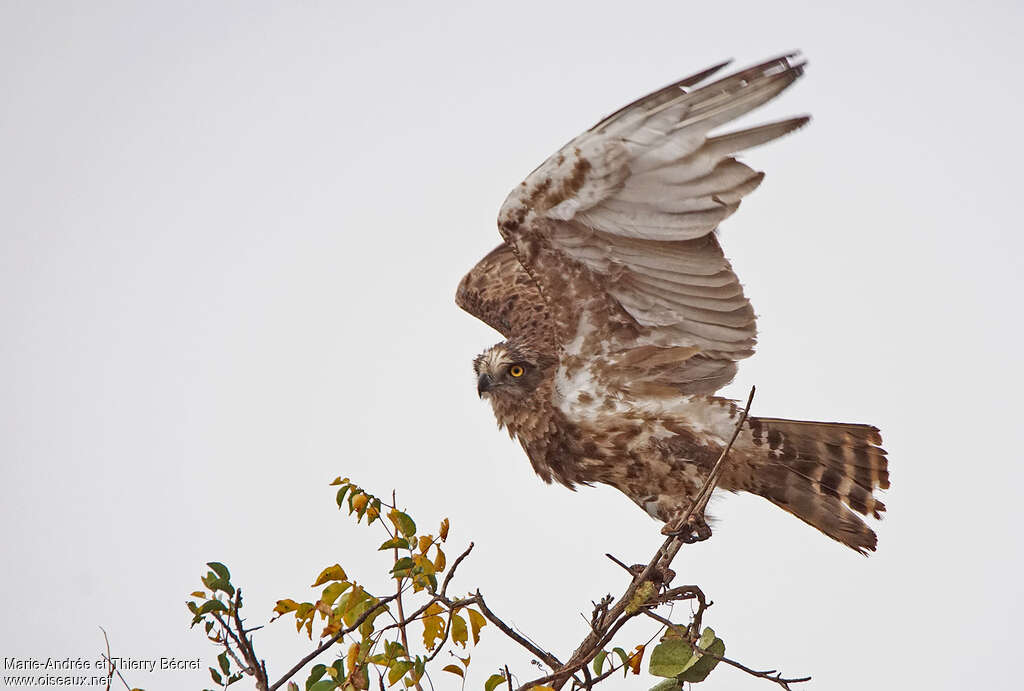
616, 228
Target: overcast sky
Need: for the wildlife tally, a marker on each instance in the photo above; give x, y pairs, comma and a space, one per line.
230, 235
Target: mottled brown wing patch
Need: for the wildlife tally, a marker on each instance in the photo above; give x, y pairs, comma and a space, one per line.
500, 292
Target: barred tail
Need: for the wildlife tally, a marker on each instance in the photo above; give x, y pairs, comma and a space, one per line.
815, 470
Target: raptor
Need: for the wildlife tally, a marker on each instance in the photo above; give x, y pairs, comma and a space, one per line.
623, 317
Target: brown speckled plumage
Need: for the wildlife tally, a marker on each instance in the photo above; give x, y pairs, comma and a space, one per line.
623, 317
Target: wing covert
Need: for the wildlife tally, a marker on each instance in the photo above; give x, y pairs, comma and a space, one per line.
499, 292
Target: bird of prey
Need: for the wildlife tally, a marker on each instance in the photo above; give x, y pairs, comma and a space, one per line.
622, 318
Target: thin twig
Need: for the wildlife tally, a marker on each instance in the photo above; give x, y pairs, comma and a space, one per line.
621, 563
550, 660
455, 565
113, 668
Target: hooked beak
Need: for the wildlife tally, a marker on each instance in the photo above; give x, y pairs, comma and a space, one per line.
483, 384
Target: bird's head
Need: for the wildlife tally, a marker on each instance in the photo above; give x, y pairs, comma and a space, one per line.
509, 371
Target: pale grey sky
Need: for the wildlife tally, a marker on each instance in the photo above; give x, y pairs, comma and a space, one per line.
231, 233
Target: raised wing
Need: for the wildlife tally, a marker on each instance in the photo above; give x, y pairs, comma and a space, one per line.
617, 230
499, 292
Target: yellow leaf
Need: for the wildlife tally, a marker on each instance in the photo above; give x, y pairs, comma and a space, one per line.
285, 606
444, 530
433, 629
353, 655
459, 632
198, 593
476, 622
332, 592
331, 573
338, 481
372, 513
439, 560
425, 542
359, 502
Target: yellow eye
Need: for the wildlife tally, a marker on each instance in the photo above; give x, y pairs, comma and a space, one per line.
515, 371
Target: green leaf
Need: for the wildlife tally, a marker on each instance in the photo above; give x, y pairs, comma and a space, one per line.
668, 685
221, 570
398, 670
399, 542
705, 663
599, 662
314, 675
211, 606
625, 660
493, 681
366, 628
292, 686
216, 677
405, 525
325, 685
340, 498
222, 660
671, 657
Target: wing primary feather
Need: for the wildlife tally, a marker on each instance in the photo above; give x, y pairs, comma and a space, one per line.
665, 93
730, 143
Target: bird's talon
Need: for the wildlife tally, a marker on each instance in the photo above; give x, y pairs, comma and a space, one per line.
692, 531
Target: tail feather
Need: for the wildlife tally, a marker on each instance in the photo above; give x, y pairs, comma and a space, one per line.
818, 471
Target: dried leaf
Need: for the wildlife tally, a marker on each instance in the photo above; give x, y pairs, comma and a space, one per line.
635, 658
